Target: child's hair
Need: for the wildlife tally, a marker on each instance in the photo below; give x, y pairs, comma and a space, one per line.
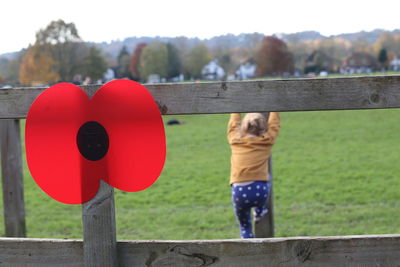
253, 123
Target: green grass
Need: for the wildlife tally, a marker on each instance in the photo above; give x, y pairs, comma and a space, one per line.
386, 73
336, 173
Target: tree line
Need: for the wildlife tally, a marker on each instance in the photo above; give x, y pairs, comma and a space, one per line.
60, 54
170, 60
330, 54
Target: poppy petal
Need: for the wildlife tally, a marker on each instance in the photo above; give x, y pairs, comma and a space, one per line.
52, 155
134, 124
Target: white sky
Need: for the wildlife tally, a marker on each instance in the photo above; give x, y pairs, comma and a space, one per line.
117, 19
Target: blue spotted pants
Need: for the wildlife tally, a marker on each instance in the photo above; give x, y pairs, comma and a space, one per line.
245, 197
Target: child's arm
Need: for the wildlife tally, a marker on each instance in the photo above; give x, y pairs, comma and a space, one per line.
273, 125
233, 125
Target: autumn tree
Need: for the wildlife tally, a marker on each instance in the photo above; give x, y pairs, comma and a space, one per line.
361, 45
13, 70
154, 60
37, 67
226, 60
94, 64
62, 42
3, 66
58, 32
336, 49
383, 57
220, 49
239, 55
273, 57
123, 60
174, 62
184, 45
301, 51
4, 69
196, 59
390, 41
318, 61
9, 68
135, 62
250, 46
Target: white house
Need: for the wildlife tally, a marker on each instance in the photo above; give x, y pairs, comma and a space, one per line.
154, 78
108, 75
395, 64
246, 70
212, 71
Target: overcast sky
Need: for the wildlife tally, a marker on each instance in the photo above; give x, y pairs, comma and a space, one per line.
117, 19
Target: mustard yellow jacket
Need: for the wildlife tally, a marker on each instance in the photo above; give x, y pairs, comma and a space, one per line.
250, 154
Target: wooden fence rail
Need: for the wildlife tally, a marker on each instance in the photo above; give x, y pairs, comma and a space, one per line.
246, 96
382, 250
202, 98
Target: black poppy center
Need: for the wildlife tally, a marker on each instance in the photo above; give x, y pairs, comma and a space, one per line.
92, 141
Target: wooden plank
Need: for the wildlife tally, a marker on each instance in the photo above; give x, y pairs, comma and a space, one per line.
98, 219
265, 227
99, 234
40, 252
12, 179
373, 250
370, 92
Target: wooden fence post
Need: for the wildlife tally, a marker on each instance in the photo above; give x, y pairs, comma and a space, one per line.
99, 233
98, 219
13, 188
265, 226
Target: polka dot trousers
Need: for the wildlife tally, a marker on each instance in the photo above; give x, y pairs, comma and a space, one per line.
246, 197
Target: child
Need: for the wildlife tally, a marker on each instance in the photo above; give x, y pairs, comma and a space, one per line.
251, 142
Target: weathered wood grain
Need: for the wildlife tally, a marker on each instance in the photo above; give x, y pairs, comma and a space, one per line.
376, 250
99, 233
370, 92
12, 178
40, 252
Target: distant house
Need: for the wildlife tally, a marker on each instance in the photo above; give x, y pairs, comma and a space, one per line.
395, 64
212, 71
318, 62
359, 62
108, 75
246, 70
154, 78
179, 78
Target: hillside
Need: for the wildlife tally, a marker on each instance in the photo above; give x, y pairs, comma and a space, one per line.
245, 40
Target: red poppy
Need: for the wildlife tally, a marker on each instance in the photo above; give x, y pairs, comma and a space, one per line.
72, 141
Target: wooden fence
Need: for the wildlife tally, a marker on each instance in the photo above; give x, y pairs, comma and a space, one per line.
99, 246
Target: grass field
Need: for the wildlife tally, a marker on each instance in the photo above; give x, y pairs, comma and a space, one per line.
336, 173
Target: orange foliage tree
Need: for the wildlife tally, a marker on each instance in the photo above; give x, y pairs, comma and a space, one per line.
135, 61
273, 57
37, 67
